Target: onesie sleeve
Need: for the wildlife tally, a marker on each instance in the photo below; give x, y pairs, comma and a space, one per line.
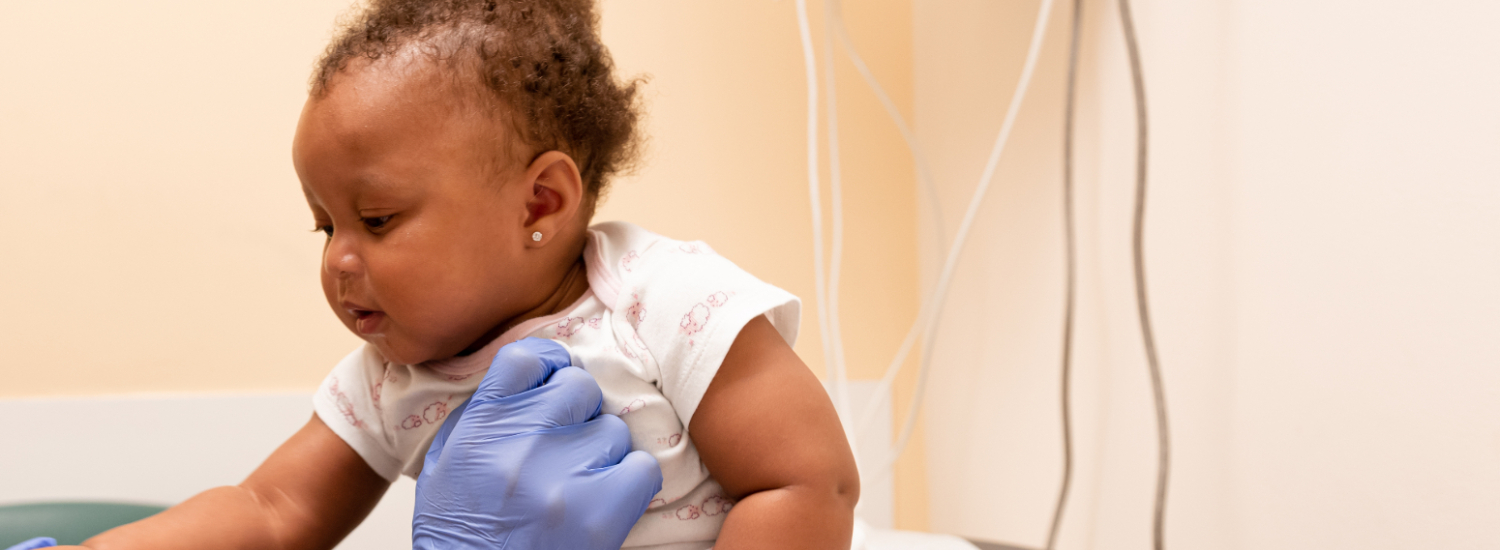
348, 401
687, 304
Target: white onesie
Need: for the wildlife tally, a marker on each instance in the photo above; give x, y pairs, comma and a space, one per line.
653, 328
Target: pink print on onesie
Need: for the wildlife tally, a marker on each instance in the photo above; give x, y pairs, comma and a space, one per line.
634, 347
717, 299
695, 248
711, 506
636, 312
632, 407
378, 388
345, 407
627, 263
568, 327
431, 414
697, 317
670, 441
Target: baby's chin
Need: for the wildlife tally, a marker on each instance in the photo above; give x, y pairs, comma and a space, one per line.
402, 351
403, 348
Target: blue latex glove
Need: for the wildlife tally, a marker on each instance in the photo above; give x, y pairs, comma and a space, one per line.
528, 463
33, 544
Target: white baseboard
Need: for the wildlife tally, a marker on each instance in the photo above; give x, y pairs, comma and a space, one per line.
876, 495
162, 449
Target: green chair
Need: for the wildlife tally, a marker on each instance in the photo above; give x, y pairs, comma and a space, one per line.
68, 522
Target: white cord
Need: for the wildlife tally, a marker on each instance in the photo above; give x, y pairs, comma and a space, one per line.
812, 184
924, 175
840, 381
834, 25
929, 316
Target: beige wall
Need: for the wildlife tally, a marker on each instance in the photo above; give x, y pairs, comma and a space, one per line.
1323, 251
154, 238
727, 104
991, 412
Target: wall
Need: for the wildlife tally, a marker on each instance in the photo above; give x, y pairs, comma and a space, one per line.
991, 411
1322, 255
155, 240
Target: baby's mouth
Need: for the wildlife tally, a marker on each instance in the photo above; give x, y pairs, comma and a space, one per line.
367, 321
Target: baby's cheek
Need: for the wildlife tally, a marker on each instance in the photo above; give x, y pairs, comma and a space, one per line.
331, 294
433, 328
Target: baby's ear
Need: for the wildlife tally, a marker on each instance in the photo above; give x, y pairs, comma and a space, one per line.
556, 198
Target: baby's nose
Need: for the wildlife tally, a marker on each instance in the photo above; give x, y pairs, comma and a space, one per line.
341, 259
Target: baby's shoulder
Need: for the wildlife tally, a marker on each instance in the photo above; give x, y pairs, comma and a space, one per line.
625, 259
676, 292
622, 246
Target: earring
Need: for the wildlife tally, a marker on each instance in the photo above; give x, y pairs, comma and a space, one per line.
537, 236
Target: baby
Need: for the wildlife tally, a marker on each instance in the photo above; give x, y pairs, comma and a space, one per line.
453, 152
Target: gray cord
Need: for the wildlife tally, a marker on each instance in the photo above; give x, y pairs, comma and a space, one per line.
1071, 285
1163, 441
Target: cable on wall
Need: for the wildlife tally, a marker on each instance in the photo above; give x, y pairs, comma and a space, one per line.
928, 319
815, 194
926, 323
925, 181
1142, 301
1070, 291
924, 174
834, 28
836, 210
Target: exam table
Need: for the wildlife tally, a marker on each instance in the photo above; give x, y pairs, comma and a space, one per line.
150, 462
74, 522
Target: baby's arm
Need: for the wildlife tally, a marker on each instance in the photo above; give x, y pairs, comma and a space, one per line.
772, 439
309, 494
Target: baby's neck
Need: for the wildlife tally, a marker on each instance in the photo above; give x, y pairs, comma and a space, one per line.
574, 284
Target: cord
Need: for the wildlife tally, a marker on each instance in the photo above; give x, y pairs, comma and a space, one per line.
928, 316
840, 382
812, 183
924, 175
940, 292
1163, 440
1071, 277
834, 27
924, 179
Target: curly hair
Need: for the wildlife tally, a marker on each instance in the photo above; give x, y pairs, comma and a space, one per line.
542, 59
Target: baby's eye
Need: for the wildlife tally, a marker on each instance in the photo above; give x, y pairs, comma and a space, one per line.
325, 229
376, 223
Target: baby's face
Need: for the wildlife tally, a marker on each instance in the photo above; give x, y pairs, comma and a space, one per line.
425, 245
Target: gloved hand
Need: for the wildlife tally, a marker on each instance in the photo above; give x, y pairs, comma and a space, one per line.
528, 463
33, 544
